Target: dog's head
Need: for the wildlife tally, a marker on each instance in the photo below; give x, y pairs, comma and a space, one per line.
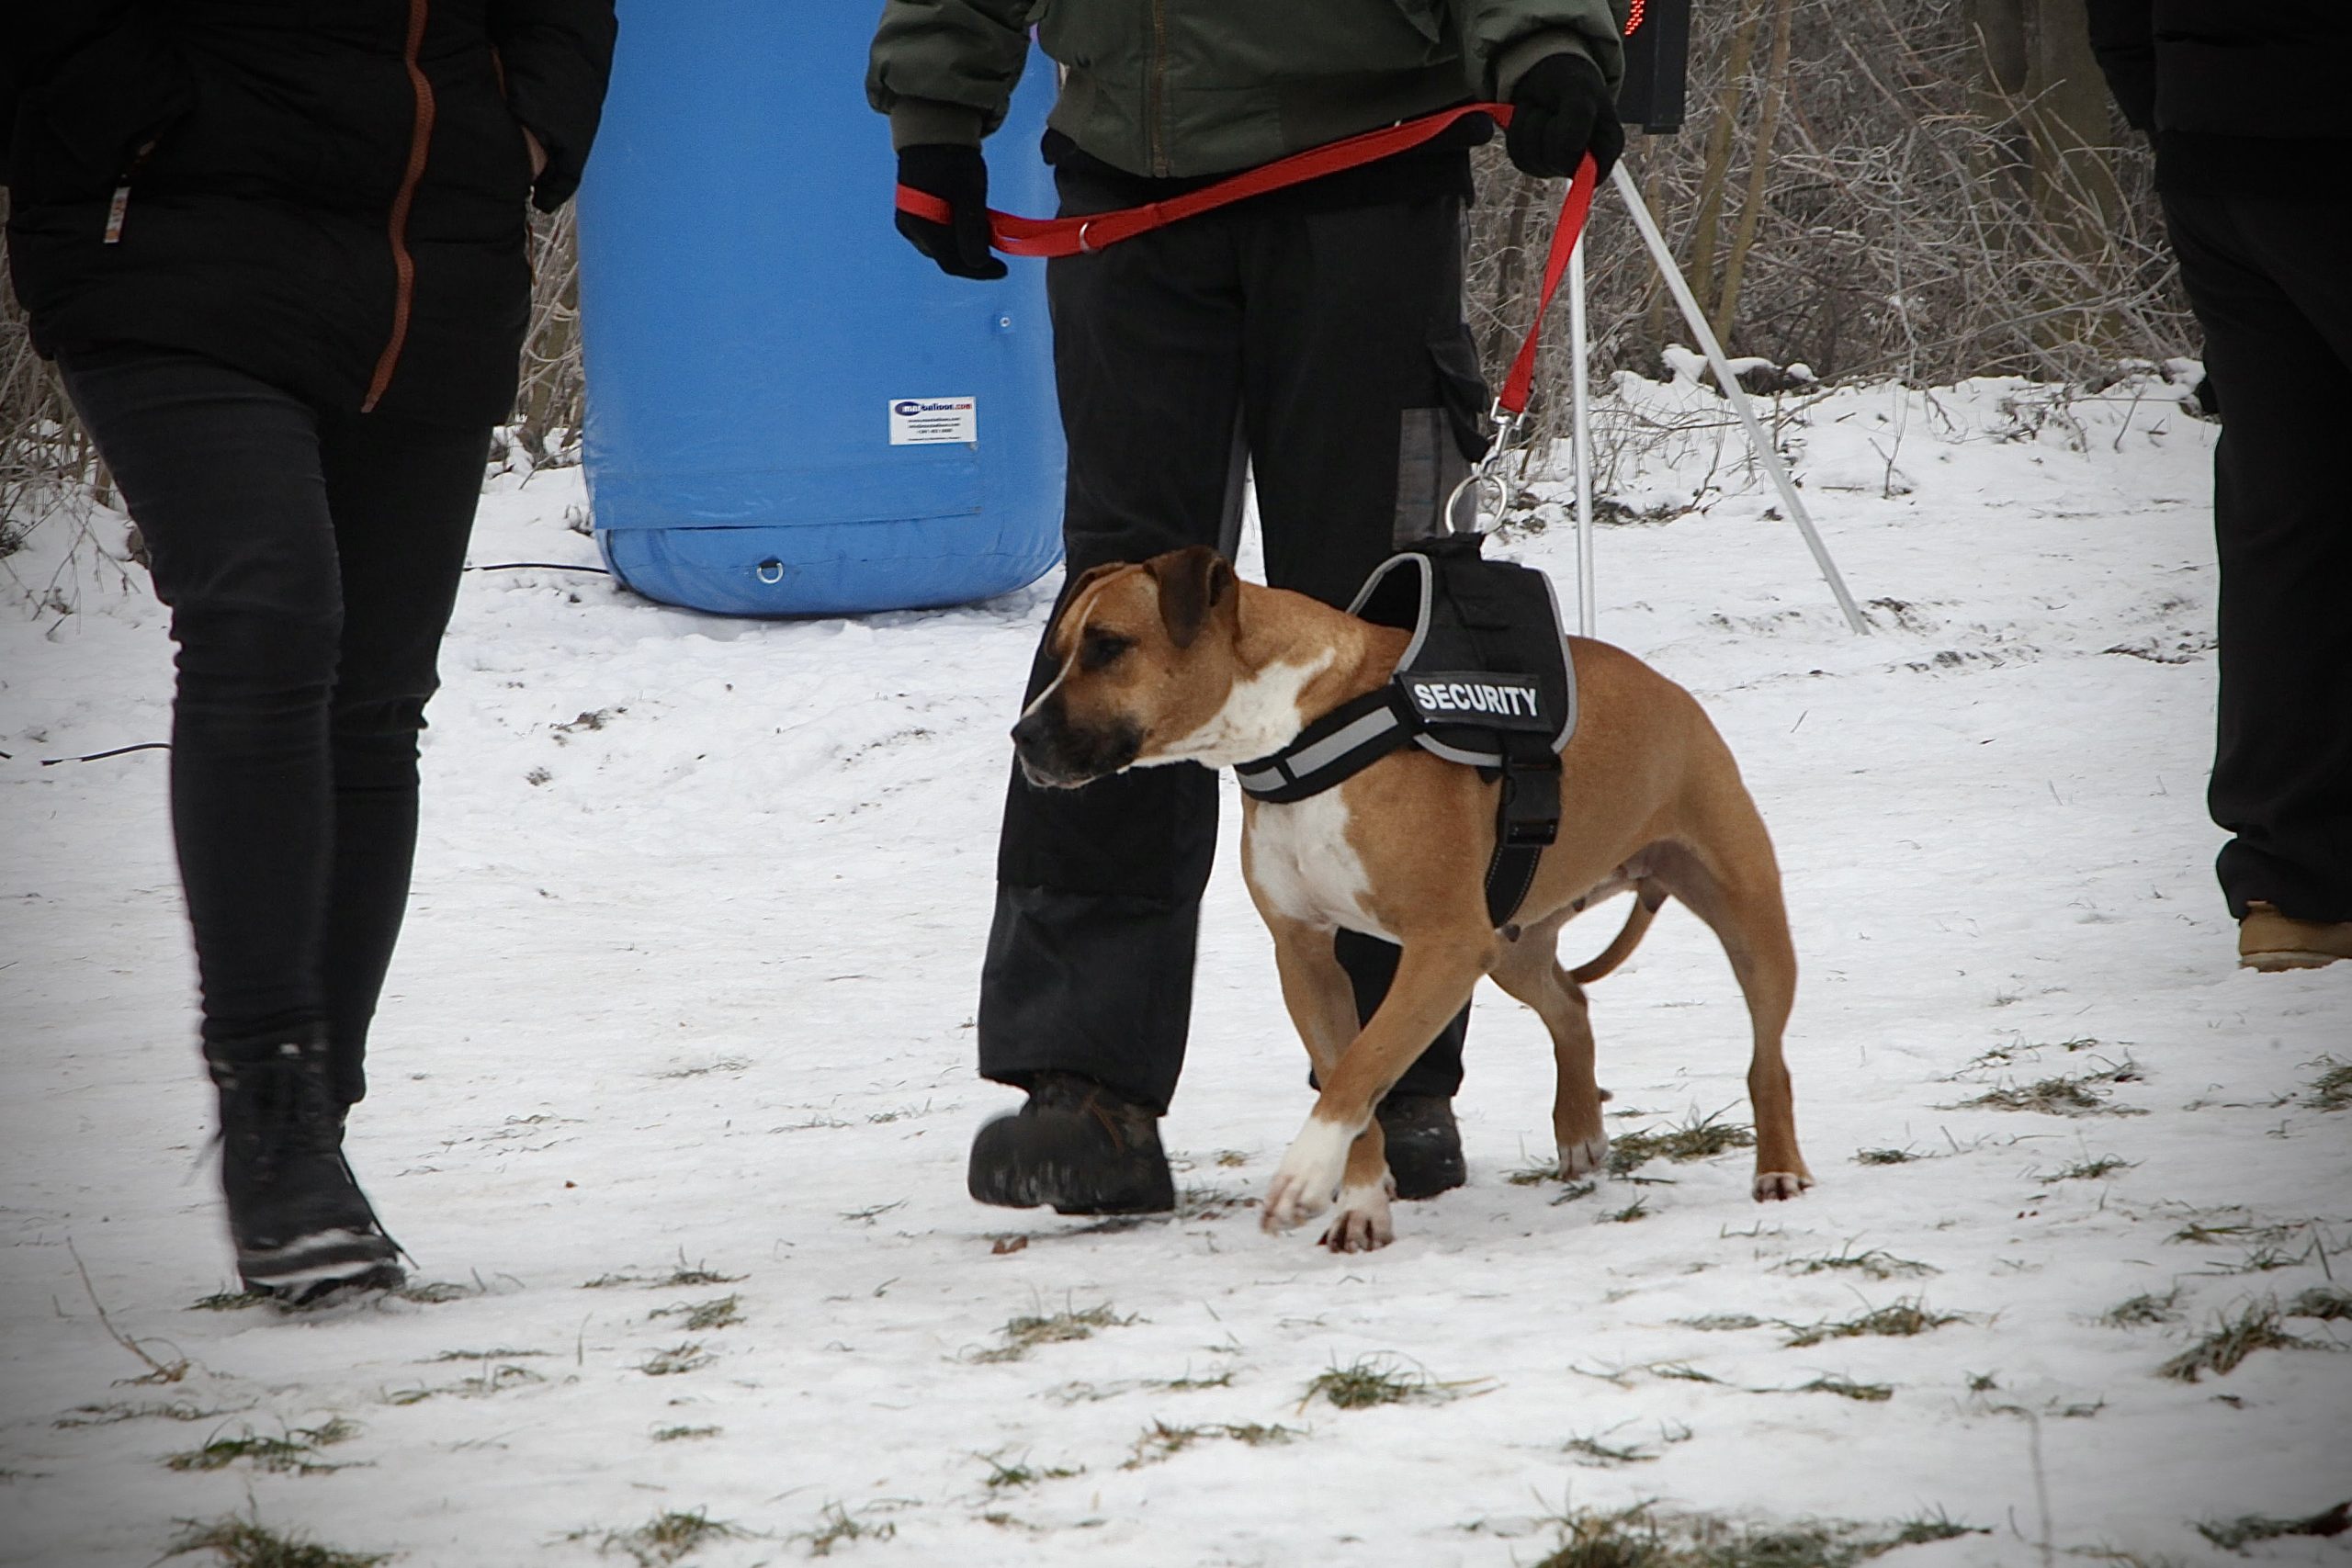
1148, 661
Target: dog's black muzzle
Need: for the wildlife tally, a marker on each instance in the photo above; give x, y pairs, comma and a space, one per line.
1054, 754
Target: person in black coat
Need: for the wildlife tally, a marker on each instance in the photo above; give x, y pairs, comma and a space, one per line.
279, 253
2253, 144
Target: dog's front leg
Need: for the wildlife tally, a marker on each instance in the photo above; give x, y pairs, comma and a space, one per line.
1338, 1152
1323, 1006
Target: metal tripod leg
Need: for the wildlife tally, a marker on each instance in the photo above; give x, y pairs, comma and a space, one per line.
1757, 439
1581, 427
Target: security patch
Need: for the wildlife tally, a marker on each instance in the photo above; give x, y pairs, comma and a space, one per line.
1499, 702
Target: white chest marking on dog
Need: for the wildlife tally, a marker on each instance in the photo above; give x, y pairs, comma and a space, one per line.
1261, 715
1300, 861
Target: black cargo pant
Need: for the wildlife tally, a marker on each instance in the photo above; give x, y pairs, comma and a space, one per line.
310, 559
1325, 350
2272, 287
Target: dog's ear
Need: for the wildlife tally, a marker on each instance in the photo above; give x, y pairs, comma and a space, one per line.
1193, 583
1077, 585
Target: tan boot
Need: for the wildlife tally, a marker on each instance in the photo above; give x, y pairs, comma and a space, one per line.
2271, 941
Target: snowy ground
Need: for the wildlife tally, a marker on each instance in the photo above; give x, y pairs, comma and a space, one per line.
688, 983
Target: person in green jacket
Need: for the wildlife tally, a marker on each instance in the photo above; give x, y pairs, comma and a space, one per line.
1311, 339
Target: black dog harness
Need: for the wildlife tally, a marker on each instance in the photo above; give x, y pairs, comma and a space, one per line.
1485, 681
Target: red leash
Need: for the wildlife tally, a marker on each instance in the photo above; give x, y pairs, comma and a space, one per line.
1050, 237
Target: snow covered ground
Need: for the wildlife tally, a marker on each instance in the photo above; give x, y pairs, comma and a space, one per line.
682, 1020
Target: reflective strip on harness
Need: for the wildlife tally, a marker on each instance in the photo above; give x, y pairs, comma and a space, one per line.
1332, 749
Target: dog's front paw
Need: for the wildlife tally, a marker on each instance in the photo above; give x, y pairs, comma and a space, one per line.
1772, 1186
1363, 1224
1583, 1157
1309, 1175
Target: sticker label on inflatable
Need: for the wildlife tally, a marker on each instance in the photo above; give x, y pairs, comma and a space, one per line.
933, 421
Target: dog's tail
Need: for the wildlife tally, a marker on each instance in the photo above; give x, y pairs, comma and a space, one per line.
1647, 897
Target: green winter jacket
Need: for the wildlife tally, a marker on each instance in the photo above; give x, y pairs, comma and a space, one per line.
1189, 88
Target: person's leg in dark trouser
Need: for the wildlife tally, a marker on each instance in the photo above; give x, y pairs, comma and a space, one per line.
222, 473
310, 562
1364, 402
403, 496
2268, 284
1087, 980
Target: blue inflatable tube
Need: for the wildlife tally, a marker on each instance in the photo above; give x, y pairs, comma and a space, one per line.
791, 412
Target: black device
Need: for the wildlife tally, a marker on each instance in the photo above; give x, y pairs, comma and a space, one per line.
1657, 65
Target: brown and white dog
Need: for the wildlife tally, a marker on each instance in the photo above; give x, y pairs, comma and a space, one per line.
1176, 659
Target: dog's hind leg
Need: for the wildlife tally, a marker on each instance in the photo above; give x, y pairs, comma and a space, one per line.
1730, 880
1322, 1005
1530, 970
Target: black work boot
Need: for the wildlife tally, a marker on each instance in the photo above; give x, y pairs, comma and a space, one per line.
1076, 1146
302, 1227
1424, 1145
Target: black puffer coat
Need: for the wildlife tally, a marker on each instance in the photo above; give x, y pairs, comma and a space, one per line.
2240, 97
328, 197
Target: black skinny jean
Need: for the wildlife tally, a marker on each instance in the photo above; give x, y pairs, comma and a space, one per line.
311, 559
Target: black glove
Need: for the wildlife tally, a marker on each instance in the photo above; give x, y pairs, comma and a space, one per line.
958, 177
1560, 110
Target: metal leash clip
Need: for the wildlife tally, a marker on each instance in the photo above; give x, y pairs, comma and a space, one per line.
1489, 493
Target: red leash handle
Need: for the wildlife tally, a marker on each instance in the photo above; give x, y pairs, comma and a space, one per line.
1050, 237
1017, 236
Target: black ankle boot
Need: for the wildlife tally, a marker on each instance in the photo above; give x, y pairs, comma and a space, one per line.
1081, 1148
302, 1227
1424, 1145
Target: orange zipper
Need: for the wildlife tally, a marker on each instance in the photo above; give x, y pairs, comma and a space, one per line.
121, 204
403, 265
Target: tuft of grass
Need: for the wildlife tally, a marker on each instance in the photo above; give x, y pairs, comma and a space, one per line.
2082, 1094
2091, 1169
2143, 1309
685, 1277
666, 1538
1878, 1263
1639, 1209
1719, 1322
1699, 1137
501, 1353
1363, 1384
249, 1544
1640, 1537
108, 1415
1682, 1372
1606, 1456
1188, 1383
435, 1292
677, 1358
702, 1317
1001, 1475
1374, 1380
835, 1524
1939, 1526
1160, 1441
2326, 1302
2332, 1090
295, 1453
228, 1300
682, 1433
2233, 1535
2231, 1341
1887, 1156
1025, 1333
1899, 1319
1846, 1388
